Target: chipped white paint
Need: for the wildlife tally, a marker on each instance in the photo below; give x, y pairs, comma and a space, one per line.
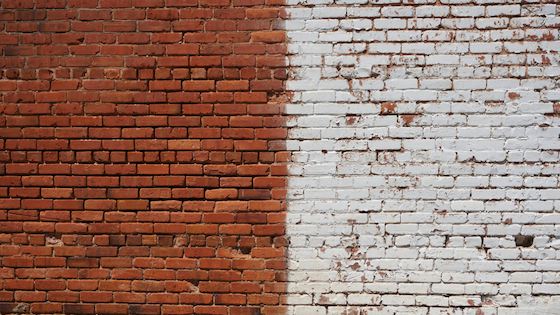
425, 137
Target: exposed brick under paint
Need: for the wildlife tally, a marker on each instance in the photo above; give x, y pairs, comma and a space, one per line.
142, 157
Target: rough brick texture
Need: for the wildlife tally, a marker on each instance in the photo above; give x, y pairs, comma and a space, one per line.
424, 174
142, 157
144, 152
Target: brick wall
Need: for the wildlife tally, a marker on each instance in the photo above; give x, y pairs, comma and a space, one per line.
424, 174
151, 158
142, 155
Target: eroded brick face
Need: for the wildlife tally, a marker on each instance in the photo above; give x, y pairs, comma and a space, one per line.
142, 149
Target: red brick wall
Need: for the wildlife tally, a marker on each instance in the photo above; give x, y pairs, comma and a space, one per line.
141, 157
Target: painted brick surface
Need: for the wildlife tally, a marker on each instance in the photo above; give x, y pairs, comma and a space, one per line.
142, 157
424, 174
144, 152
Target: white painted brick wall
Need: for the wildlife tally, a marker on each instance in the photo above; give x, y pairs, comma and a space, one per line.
425, 138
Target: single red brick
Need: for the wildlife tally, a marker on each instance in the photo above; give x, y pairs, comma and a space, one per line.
21, 262
104, 228
144, 309
169, 228
222, 25
269, 182
167, 298
16, 284
225, 193
127, 297
225, 275
93, 274
14, 4
38, 227
214, 263
79, 308
46, 308
155, 274
214, 287
256, 275
267, 253
23, 215
148, 286
137, 228
82, 3
96, 297
268, 229
248, 264
132, 204
167, 252
177, 309
233, 206
236, 229
116, 262
142, 262
111, 309
200, 252
70, 228
219, 217
186, 217
195, 298
188, 193
246, 287
69, 297
180, 263
114, 285
78, 262
24, 296
100, 204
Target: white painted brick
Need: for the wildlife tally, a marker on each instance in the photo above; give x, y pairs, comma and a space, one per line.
435, 84
321, 25
437, 36
369, 36
356, 24
467, 11
488, 48
351, 2
363, 12
424, 146
448, 288
538, 9
311, 310
527, 22
401, 84
469, 84
404, 36
432, 11
303, 36
498, 10
329, 12
389, 23
493, 23
505, 34
417, 48
458, 23
397, 12
335, 37
364, 299
383, 48
398, 300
